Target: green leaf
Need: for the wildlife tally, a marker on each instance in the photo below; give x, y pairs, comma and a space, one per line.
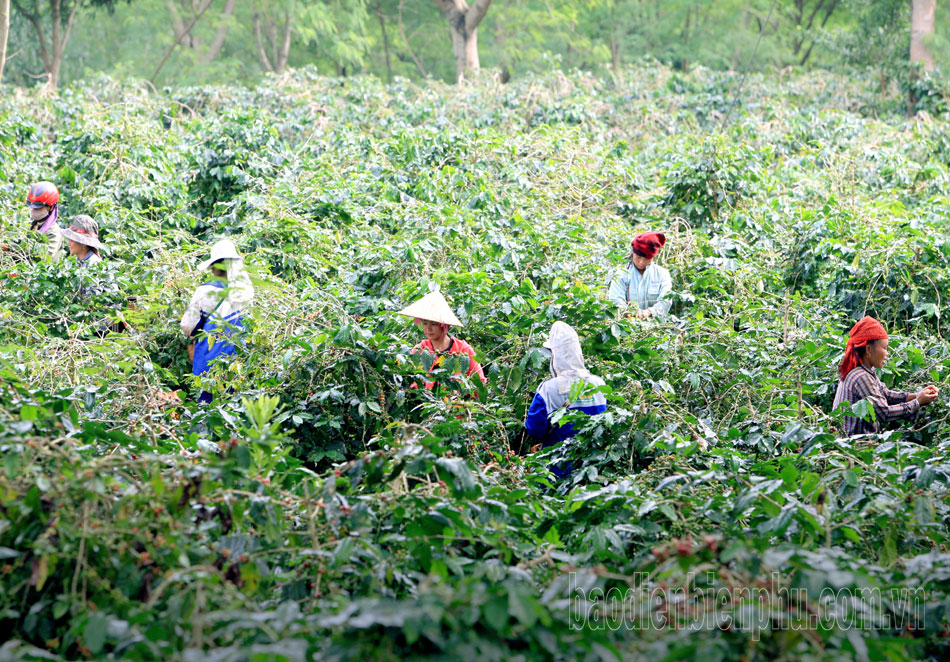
926, 476
521, 605
495, 613
668, 510
789, 475
889, 549
809, 482
850, 478
924, 510
438, 567
851, 534
456, 472
863, 410
94, 634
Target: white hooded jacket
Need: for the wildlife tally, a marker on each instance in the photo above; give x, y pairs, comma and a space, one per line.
567, 364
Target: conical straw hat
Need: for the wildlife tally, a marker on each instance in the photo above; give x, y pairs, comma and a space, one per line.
432, 307
223, 250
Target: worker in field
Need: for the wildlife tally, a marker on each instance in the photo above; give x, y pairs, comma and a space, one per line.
645, 287
43, 202
215, 312
433, 314
82, 240
569, 388
865, 352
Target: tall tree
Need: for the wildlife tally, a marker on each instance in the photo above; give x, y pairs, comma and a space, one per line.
806, 16
336, 30
273, 28
4, 33
184, 20
54, 18
922, 17
384, 33
463, 26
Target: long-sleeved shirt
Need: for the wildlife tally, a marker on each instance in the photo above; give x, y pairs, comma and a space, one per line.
456, 347
567, 364
88, 290
647, 291
222, 302
860, 384
55, 242
548, 400
91, 258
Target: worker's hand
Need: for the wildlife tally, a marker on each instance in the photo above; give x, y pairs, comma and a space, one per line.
191, 352
5, 248
927, 395
535, 448
645, 314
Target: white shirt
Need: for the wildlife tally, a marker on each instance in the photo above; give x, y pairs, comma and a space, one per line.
648, 291
207, 299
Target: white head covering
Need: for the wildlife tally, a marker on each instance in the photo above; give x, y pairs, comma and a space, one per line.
222, 250
432, 307
567, 359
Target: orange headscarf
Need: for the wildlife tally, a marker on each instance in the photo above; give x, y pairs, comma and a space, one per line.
861, 333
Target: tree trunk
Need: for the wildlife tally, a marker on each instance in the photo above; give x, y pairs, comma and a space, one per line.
178, 25
284, 55
615, 54
279, 44
4, 33
215, 47
921, 27
56, 60
60, 39
382, 27
465, 47
261, 51
463, 26
405, 39
183, 33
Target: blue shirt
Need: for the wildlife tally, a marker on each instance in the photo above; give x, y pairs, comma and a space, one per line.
547, 401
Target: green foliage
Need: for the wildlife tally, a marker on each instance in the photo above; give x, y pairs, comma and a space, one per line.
410, 39
713, 181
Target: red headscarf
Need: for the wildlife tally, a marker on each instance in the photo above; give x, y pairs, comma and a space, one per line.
861, 333
648, 244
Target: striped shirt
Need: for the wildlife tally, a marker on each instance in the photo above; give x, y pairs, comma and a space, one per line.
860, 384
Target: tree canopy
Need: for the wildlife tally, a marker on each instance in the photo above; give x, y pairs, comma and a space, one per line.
239, 42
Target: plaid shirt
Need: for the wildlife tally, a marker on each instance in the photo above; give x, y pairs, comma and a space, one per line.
889, 405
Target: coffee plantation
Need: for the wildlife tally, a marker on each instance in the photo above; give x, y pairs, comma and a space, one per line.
323, 509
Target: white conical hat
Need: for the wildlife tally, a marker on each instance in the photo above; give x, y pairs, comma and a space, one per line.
432, 307
223, 250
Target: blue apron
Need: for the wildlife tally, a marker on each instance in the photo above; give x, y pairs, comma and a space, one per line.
220, 332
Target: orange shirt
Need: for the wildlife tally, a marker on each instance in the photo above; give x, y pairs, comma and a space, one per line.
456, 347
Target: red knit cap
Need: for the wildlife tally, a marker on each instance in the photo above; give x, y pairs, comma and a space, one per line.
861, 333
648, 244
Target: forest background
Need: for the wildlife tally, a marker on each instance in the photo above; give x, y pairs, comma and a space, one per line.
188, 42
